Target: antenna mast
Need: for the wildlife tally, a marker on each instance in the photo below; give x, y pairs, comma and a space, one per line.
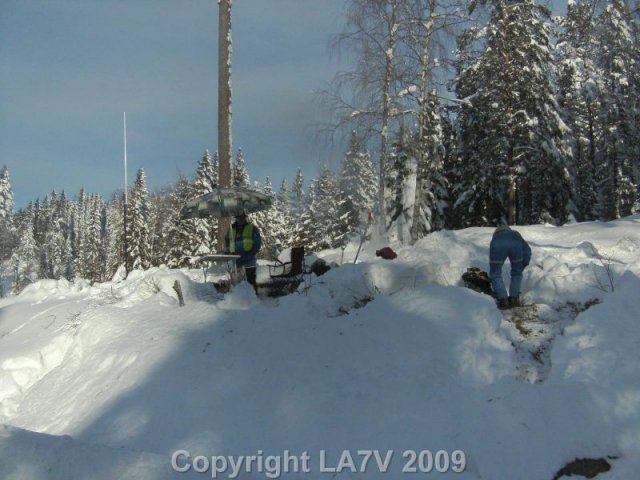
126, 184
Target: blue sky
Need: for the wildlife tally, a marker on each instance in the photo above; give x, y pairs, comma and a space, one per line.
70, 68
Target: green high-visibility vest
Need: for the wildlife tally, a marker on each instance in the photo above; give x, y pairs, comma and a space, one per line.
247, 238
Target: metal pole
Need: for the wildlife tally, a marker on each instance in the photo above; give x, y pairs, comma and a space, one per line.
126, 183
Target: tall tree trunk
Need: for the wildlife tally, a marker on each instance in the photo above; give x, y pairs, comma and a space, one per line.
512, 190
224, 107
386, 111
421, 168
512, 185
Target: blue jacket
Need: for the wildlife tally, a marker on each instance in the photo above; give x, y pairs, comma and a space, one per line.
247, 259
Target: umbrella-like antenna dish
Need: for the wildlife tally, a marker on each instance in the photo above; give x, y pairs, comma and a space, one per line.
226, 202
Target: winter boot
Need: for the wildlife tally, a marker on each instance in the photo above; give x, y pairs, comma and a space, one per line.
514, 302
503, 303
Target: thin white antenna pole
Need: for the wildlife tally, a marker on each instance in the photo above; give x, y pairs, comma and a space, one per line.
125, 158
126, 184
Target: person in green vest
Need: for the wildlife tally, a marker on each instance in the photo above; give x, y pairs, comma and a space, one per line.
243, 238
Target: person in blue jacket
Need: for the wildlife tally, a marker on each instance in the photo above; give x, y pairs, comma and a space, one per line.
243, 238
507, 243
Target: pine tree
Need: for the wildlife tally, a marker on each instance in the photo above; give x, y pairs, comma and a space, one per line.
7, 230
240, 173
6, 194
401, 181
205, 182
205, 175
282, 221
619, 148
357, 190
579, 82
319, 223
513, 141
182, 239
24, 260
297, 193
215, 169
89, 264
138, 241
297, 202
115, 234
429, 212
452, 168
54, 249
265, 221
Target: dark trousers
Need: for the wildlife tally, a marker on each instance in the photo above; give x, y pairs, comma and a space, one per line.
250, 274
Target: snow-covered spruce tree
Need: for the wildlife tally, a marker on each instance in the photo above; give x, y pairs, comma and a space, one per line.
264, 220
7, 229
44, 232
429, 213
297, 202
275, 223
65, 219
115, 234
365, 98
618, 59
297, 193
24, 260
182, 239
513, 142
579, 81
283, 224
215, 169
55, 248
357, 190
138, 241
426, 33
452, 168
6, 194
400, 186
206, 175
240, 175
90, 262
319, 223
205, 182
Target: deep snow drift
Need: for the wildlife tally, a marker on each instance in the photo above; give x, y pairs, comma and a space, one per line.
108, 381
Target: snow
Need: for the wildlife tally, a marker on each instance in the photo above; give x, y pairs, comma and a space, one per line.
109, 380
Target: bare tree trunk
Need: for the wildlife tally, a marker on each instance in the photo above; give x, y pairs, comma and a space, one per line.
386, 112
421, 169
224, 107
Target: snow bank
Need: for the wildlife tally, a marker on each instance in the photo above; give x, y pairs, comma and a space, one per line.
60, 289
26, 455
158, 282
600, 354
378, 355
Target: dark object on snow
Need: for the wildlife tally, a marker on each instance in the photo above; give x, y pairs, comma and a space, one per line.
387, 253
477, 280
292, 268
585, 467
226, 202
319, 267
178, 289
503, 304
514, 302
284, 277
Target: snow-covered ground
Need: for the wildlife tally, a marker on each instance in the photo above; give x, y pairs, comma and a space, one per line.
109, 381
